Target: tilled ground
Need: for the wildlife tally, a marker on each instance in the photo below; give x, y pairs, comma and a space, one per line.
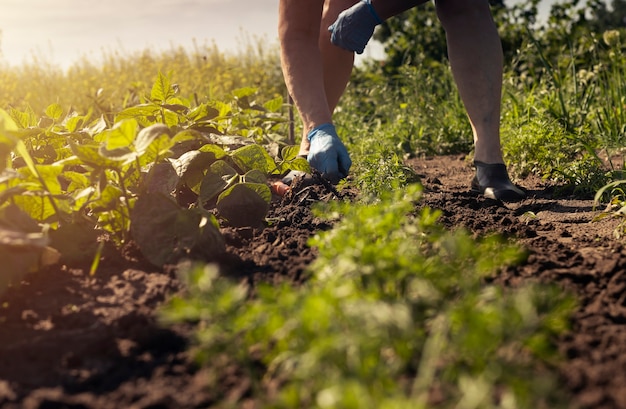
69, 340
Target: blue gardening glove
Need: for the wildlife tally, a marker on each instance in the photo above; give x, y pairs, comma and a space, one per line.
355, 26
328, 154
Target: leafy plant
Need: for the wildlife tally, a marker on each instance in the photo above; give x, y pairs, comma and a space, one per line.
611, 116
536, 145
83, 178
615, 205
235, 181
397, 314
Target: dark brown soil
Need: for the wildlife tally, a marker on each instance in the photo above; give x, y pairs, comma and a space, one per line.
70, 340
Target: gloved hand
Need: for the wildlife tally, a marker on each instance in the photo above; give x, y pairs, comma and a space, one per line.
327, 153
355, 26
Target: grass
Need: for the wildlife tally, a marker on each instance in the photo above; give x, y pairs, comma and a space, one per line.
202, 72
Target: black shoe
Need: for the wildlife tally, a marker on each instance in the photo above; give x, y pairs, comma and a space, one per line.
492, 181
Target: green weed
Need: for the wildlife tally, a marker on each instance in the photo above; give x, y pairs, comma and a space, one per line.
544, 147
613, 195
610, 118
397, 314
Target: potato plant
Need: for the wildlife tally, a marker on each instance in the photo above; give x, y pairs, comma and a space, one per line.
73, 178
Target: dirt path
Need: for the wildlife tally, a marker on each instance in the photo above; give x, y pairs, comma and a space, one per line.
71, 340
566, 247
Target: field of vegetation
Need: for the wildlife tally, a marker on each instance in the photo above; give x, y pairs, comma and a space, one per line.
149, 261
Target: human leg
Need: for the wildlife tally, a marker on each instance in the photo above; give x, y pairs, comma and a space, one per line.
475, 54
476, 59
316, 72
337, 61
316, 77
301, 59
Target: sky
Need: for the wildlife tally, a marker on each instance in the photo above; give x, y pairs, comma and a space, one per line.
64, 31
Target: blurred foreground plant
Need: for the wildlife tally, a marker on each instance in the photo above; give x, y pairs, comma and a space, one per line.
396, 315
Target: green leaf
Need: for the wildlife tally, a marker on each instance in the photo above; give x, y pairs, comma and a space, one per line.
21, 149
153, 143
274, 105
70, 161
255, 176
24, 119
91, 155
165, 232
192, 166
222, 107
254, 157
185, 141
160, 148
148, 135
115, 220
215, 149
203, 112
219, 177
179, 109
211, 186
73, 122
109, 199
6, 122
299, 164
244, 92
97, 126
262, 189
223, 169
54, 111
77, 242
598, 197
138, 111
290, 152
82, 196
36, 204
122, 155
291, 160
162, 89
7, 141
172, 118
187, 135
122, 135
49, 174
162, 178
245, 204
7, 194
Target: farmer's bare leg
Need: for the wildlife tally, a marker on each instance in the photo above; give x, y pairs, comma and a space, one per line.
316, 72
475, 54
337, 62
